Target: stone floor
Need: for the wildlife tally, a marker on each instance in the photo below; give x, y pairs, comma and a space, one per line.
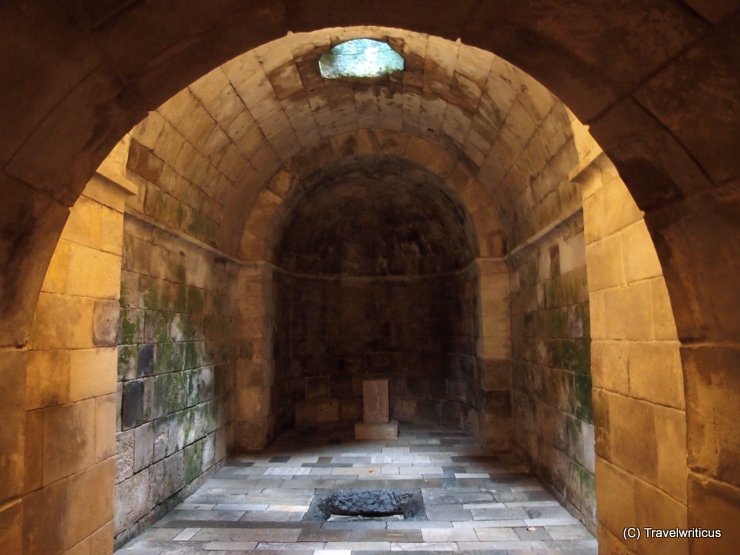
474, 502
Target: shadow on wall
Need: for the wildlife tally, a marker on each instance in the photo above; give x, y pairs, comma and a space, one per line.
376, 278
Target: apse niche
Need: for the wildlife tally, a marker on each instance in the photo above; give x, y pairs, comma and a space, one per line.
377, 278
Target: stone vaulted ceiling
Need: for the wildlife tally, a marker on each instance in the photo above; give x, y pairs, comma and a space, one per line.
219, 157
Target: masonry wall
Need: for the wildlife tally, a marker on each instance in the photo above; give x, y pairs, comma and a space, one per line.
419, 331
637, 373
177, 350
257, 399
496, 427
552, 364
71, 382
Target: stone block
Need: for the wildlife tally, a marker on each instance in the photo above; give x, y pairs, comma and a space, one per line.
45, 519
69, 439
597, 313
712, 403
131, 326
714, 505
85, 271
141, 160
47, 378
193, 458
497, 404
145, 360
495, 374
92, 372
316, 412
655, 372
628, 312
375, 401
105, 426
165, 437
656, 509
633, 440
108, 187
34, 455
252, 403
124, 455
497, 433
572, 253
249, 436
132, 500
604, 263
664, 323
317, 388
127, 355
609, 365
102, 540
62, 322
585, 450
615, 498
89, 501
11, 528
610, 544
376, 430
640, 259
105, 323
143, 446
670, 428
132, 404
57, 273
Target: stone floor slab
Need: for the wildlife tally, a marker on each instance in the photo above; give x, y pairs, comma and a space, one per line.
473, 501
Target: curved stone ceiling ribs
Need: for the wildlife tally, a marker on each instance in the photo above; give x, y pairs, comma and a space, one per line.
206, 153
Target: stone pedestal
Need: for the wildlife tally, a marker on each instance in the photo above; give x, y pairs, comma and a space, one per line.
376, 423
387, 430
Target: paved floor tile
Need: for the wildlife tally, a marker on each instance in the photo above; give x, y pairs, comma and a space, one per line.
473, 501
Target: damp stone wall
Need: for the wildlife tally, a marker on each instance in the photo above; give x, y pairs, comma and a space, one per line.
176, 358
552, 364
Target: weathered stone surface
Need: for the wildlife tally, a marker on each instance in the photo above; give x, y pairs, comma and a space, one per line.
368, 503
177, 326
11, 528
368, 430
69, 439
44, 519
12, 380
637, 142
89, 501
105, 323
92, 373
132, 500
132, 409
143, 446
551, 401
375, 401
124, 455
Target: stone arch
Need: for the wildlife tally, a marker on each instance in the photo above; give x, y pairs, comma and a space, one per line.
653, 108
266, 213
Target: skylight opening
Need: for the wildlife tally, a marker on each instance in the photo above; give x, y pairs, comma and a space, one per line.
363, 58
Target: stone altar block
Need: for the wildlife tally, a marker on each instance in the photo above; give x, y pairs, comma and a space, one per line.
376, 423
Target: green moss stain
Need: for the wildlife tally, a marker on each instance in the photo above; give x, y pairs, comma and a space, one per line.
195, 301
191, 356
126, 360
193, 455
557, 323
570, 354
584, 403
129, 327
202, 227
152, 299
568, 289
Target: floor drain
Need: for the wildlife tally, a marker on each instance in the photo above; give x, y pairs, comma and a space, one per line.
363, 504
